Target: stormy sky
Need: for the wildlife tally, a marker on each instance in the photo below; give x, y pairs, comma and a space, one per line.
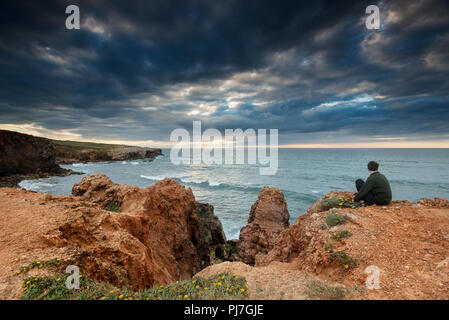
136, 70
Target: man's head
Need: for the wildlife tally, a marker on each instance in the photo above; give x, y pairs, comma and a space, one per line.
373, 166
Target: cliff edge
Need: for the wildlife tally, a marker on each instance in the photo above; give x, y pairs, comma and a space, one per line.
337, 250
130, 237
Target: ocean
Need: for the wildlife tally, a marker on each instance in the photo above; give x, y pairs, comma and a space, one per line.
304, 175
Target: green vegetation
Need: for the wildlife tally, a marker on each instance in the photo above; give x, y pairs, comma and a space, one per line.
338, 203
323, 226
345, 260
319, 290
112, 206
83, 145
341, 234
333, 219
39, 265
217, 287
329, 203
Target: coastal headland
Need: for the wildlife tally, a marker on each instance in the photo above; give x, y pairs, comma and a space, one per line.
24, 156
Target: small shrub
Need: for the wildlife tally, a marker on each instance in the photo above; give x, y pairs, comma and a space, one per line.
112, 206
329, 203
323, 226
345, 260
341, 234
333, 219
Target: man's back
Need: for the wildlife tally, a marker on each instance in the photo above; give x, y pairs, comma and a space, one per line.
379, 186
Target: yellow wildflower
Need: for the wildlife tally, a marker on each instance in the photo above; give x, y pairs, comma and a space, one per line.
243, 290
186, 296
112, 291
206, 288
120, 296
346, 266
197, 286
236, 277
219, 284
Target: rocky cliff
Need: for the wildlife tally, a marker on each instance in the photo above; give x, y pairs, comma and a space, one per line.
23, 156
68, 152
130, 237
267, 219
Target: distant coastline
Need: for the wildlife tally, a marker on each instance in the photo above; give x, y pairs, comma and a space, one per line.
25, 157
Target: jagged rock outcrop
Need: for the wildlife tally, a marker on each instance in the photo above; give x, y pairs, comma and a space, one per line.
268, 218
22, 154
213, 247
152, 236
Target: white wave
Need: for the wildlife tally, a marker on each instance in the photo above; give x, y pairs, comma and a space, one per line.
78, 164
134, 163
155, 178
161, 177
315, 191
211, 183
193, 181
34, 185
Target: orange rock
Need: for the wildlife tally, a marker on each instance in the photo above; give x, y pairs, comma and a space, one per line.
268, 218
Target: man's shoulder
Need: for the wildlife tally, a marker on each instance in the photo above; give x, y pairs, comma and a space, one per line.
376, 175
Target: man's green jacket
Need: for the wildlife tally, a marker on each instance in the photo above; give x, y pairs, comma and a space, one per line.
379, 186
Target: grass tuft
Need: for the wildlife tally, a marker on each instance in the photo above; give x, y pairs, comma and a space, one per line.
318, 290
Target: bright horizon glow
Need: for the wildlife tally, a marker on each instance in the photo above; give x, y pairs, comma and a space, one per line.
72, 136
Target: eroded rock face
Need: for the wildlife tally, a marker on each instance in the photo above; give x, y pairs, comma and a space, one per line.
67, 155
22, 154
153, 238
268, 218
213, 247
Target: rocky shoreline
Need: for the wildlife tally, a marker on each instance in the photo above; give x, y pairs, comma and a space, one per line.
24, 157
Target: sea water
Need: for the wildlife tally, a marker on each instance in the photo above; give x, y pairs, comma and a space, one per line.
304, 175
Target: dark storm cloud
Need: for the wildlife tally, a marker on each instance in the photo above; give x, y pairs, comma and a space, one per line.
138, 69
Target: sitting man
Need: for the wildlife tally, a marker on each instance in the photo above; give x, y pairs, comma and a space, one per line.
376, 189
